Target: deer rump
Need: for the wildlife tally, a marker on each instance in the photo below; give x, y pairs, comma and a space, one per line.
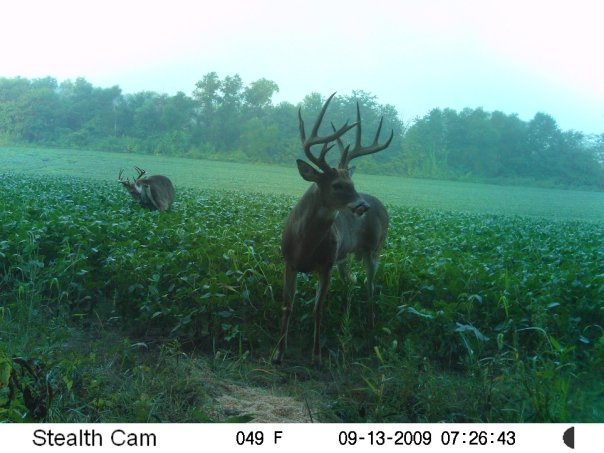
156, 192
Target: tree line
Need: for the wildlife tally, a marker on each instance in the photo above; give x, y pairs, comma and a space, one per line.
225, 119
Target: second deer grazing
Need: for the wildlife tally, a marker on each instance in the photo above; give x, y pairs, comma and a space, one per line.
152, 192
330, 221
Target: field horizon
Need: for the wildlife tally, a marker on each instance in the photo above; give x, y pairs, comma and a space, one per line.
454, 196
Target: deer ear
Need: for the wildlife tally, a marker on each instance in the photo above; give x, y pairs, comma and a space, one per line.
307, 172
351, 171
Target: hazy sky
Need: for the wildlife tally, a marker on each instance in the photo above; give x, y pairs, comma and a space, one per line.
517, 56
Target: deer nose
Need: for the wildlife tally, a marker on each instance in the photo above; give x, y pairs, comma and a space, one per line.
361, 208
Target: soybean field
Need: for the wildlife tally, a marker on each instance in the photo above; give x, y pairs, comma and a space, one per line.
489, 303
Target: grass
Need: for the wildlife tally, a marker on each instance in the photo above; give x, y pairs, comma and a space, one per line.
112, 313
270, 179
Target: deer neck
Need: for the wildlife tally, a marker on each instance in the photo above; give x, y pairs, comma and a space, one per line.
313, 215
309, 224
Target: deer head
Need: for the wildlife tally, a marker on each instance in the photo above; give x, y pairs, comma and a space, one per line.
335, 184
134, 188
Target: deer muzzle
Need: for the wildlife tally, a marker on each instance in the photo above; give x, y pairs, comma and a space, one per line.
359, 208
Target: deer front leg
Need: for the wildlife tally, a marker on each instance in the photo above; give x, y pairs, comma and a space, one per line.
371, 266
322, 287
289, 291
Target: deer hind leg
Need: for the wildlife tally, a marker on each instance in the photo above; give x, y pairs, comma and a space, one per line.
322, 287
371, 262
343, 271
289, 291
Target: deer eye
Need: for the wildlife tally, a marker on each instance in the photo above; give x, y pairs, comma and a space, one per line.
337, 186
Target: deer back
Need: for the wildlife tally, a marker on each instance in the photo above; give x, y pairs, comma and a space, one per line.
156, 192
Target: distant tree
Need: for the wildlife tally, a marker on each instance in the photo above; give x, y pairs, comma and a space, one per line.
87, 113
226, 124
207, 93
260, 141
512, 147
543, 141
311, 104
76, 100
35, 115
425, 145
12, 93
284, 118
208, 99
259, 94
595, 143
178, 112
576, 163
472, 144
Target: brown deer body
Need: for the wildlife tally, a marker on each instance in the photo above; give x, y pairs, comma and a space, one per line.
330, 221
152, 192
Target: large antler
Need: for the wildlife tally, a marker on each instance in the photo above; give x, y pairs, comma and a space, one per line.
125, 182
358, 149
140, 172
314, 139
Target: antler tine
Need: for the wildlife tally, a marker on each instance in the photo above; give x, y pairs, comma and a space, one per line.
359, 150
301, 126
315, 128
120, 179
343, 149
140, 171
357, 138
315, 139
326, 147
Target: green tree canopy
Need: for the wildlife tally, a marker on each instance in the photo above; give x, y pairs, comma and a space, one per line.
226, 119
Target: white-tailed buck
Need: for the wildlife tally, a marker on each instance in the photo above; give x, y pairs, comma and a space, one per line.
330, 221
152, 192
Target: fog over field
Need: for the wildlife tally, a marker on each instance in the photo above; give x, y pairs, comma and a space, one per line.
513, 56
